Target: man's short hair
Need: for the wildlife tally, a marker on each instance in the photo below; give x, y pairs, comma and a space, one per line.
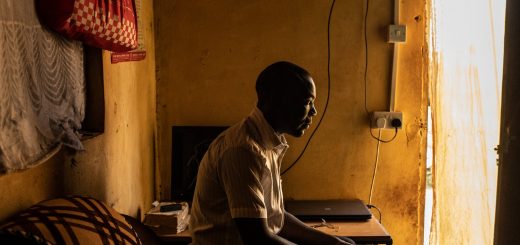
279, 76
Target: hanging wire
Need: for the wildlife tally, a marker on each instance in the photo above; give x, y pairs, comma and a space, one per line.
328, 92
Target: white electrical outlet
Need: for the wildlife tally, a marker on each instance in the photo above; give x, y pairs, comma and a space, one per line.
386, 119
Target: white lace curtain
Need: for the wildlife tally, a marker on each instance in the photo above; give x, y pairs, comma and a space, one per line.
41, 88
466, 55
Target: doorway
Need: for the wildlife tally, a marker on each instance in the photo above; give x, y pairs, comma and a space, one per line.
466, 56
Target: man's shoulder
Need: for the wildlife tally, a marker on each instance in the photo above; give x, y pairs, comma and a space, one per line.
238, 136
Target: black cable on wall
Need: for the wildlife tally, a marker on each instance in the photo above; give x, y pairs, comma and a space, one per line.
328, 92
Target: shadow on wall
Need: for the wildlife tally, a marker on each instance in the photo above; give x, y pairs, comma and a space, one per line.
85, 172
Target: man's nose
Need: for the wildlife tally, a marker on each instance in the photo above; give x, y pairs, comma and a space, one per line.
313, 111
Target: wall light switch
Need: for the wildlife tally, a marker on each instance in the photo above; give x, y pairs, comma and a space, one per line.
396, 33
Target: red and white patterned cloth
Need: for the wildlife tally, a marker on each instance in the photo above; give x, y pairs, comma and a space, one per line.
111, 25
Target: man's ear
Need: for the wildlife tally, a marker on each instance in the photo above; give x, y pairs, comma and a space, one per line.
271, 101
267, 103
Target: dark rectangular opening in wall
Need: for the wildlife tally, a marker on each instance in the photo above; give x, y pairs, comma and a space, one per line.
94, 122
189, 143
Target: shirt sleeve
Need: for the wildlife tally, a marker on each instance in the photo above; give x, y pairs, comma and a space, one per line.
241, 173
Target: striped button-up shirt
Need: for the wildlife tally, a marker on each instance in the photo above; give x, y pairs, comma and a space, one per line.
239, 177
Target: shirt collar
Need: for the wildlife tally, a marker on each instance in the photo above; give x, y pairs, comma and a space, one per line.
267, 135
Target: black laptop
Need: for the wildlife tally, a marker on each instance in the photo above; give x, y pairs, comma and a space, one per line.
328, 209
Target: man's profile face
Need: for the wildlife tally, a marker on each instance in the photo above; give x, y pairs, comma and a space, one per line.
296, 108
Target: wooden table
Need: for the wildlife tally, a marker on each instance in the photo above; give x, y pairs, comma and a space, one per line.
362, 232
179, 238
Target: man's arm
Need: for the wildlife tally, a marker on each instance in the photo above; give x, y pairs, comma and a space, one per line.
255, 231
297, 231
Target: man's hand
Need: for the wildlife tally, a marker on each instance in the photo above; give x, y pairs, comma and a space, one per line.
296, 231
346, 240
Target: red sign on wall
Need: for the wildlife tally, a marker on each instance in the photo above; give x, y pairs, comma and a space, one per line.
127, 56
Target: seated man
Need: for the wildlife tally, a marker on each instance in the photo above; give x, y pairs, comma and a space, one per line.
238, 196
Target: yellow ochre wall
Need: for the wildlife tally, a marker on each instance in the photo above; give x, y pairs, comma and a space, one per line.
210, 52
21, 190
116, 167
